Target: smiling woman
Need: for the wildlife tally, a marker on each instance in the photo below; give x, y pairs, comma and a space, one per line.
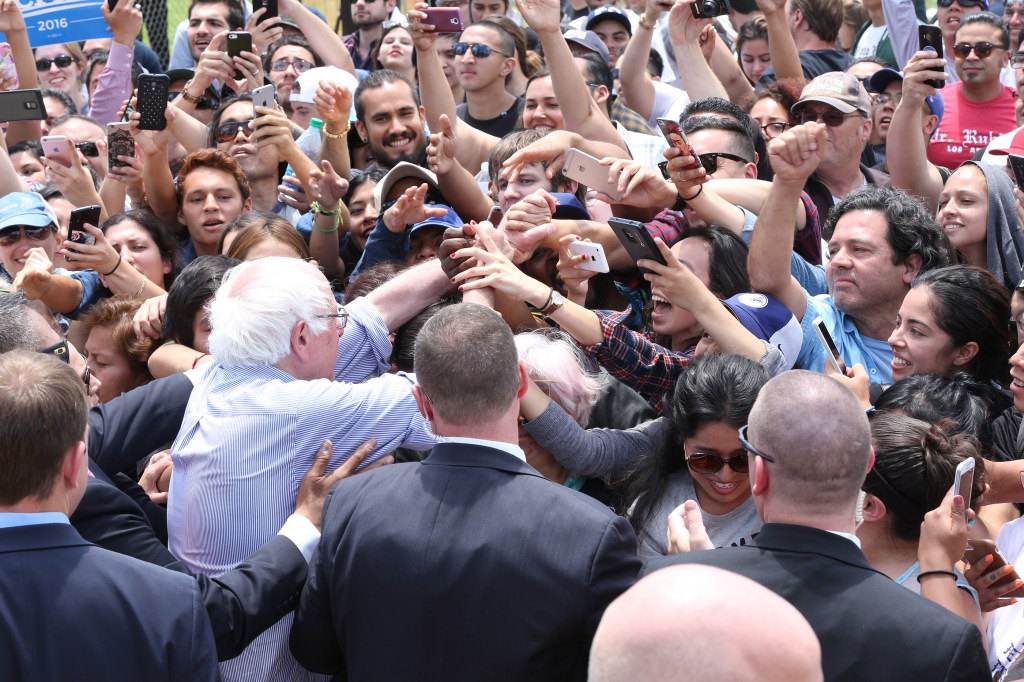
61, 67
395, 51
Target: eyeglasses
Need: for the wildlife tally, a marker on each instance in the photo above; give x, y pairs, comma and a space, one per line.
11, 235
1017, 60
62, 61
228, 131
62, 352
982, 49
750, 448
479, 50
883, 99
205, 102
703, 463
341, 315
773, 130
88, 149
710, 160
831, 118
962, 3
300, 65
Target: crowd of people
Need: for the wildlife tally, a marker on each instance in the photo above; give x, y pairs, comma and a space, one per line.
361, 380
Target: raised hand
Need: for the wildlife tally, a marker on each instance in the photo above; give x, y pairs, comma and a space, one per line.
410, 209
640, 185
683, 27
333, 103
264, 34
575, 279
327, 186
125, 21
441, 150
424, 35
686, 531
527, 223
796, 153
543, 16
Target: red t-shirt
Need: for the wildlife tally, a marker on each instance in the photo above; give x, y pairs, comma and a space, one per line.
968, 126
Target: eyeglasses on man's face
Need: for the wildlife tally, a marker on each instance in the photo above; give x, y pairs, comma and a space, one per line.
341, 316
478, 50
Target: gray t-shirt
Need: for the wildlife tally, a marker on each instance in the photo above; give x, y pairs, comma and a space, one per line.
736, 527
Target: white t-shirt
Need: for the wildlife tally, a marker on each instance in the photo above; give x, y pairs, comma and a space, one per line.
1006, 624
867, 46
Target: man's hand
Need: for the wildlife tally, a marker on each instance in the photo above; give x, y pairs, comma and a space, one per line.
796, 153
214, 64
125, 21
148, 320
686, 532
327, 186
423, 35
455, 239
527, 223
291, 193
441, 150
654, 10
550, 149
333, 103
683, 27
924, 65
75, 183
543, 16
771, 6
317, 483
156, 477
410, 209
640, 185
271, 127
35, 278
264, 34
685, 173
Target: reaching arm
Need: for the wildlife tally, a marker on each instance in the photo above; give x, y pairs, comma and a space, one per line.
781, 46
456, 183
333, 103
324, 41
729, 73
635, 85
12, 25
115, 83
901, 19
689, 36
327, 189
400, 299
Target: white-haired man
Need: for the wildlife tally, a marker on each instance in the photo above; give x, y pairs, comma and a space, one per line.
282, 352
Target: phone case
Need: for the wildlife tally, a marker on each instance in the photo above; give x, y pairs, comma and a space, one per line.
677, 138
636, 240
269, 5
594, 258
1016, 164
7, 68
445, 19
239, 42
931, 36
119, 143
588, 171
22, 105
831, 350
264, 96
57, 148
152, 101
79, 217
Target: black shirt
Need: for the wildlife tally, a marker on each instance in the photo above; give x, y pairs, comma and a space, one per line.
499, 126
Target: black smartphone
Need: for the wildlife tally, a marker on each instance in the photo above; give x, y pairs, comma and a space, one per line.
22, 105
708, 9
1017, 166
269, 5
152, 101
79, 217
831, 350
637, 241
119, 143
239, 42
931, 36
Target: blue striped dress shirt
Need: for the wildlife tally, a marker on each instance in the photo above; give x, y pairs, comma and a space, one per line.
249, 435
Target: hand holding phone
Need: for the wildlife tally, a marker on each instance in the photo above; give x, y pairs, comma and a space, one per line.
238, 42
152, 101
636, 240
963, 481
588, 171
594, 259
931, 36
119, 143
444, 19
831, 350
76, 224
57, 148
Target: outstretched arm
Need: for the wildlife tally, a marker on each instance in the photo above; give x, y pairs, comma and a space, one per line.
781, 46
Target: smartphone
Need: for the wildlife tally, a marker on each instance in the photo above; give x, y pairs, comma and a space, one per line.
707, 9
57, 148
22, 105
7, 68
445, 19
269, 5
79, 217
677, 138
963, 480
981, 548
593, 256
637, 241
152, 101
264, 97
831, 350
239, 42
1016, 164
663, 167
588, 171
931, 36
119, 143
495, 215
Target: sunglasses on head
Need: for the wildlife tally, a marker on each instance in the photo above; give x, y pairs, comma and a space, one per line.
62, 61
710, 160
9, 236
962, 3
229, 131
831, 118
88, 149
703, 463
479, 50
983, 49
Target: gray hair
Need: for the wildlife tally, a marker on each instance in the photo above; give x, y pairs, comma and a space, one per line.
16, 329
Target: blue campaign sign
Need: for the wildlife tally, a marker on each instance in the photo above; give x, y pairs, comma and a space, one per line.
63, 21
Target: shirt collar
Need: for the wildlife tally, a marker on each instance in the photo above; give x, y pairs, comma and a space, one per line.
16, 519
852, 538
496, 444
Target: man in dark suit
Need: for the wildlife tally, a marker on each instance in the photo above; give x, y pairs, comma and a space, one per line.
70, 610
470, 564
810, 447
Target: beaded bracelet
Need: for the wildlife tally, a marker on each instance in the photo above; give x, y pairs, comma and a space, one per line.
336, 136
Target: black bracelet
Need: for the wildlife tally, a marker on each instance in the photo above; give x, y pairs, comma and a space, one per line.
699, 190
108, 274
681, 202
951, 574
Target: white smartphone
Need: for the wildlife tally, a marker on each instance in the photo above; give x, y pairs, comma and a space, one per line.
586, 170
264, 97
594, 259
831, 350
963, 480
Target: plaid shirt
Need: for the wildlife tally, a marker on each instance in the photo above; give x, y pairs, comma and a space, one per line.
351, 42
629, 119
671, 226
649, 369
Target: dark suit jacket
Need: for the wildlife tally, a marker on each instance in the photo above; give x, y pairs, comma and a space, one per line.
869, 627
466, 566
70, 610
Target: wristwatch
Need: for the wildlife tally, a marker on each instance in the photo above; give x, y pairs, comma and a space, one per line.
555, 301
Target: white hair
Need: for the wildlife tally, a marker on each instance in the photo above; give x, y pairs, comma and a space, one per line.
554, 362
259, 303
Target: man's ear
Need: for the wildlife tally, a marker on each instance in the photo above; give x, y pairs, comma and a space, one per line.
912, 267
300, 340
423, 403
524, 380
361, 129
601, 94
759, 476
508, 66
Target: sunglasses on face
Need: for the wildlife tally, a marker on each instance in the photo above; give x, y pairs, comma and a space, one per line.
229, 131
710, 160
831, 118
62, 61
962, 3
479, 50
12, 235
88, 149
983, 49
300, 65
703, 463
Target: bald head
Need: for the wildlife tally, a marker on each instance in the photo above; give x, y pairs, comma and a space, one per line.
695, 622
819, 435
